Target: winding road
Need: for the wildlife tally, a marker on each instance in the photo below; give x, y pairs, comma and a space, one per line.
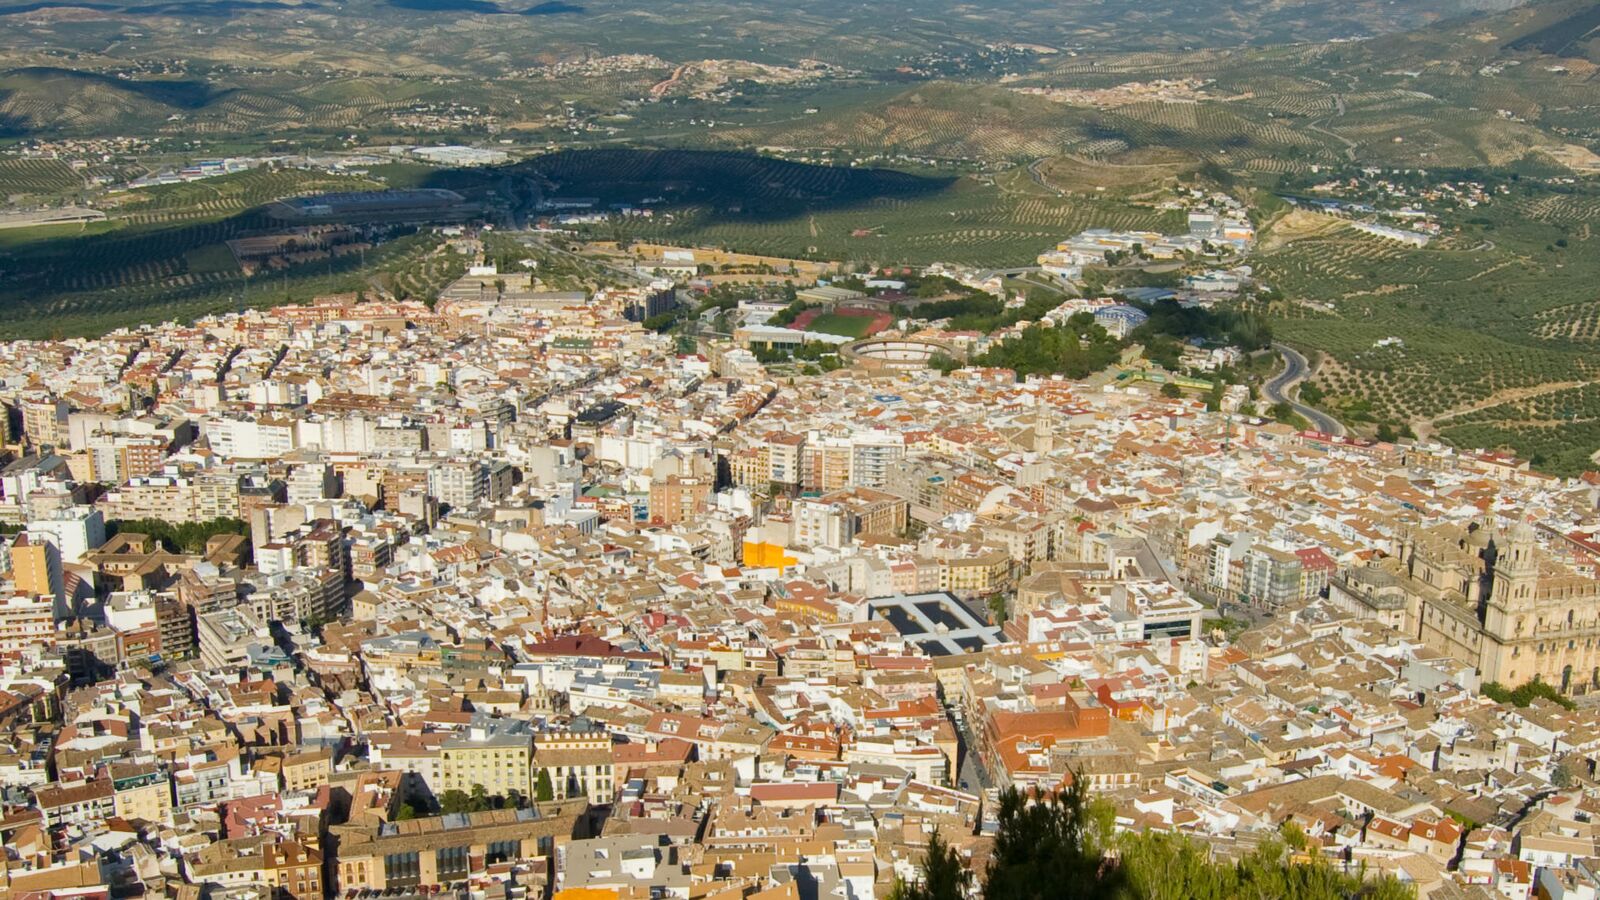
1278, 388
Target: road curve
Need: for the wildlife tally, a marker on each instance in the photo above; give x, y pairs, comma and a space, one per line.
1278, 388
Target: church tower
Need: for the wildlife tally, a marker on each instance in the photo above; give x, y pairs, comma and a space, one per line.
1516, 577
1044, 428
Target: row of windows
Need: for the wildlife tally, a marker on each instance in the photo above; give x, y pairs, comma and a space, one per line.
452, 863
402, 867
1555, 646
502, 851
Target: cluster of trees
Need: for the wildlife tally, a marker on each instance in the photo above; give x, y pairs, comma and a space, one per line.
1171, 319
477, 800
1083, 347
1526, 694
977, 311
980, 311
188, 537
661, 323
1076, 350
786, 316
825, 356
1066, 847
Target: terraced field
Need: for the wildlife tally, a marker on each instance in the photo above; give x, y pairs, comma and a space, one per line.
36, 177
1492, 320
971, 222
1558, 431
163, 255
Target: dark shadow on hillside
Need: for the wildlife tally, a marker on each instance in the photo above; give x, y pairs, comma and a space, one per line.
1556, 37
725, 186
11, 126
554, 8
60, 82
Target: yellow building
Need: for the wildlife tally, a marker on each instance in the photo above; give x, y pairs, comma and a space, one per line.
143, 793
767, 555
307, 771
36, 566
981, 574
494, 753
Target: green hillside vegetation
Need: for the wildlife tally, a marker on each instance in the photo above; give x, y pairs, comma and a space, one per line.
757, 205
1065, 847
1076, 350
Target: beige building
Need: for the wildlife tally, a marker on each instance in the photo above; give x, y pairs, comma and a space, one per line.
1493, 600
578, 764
289, 869
142, 793
494, 753
432, 851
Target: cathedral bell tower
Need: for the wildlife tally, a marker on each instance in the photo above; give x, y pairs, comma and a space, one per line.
1516, 576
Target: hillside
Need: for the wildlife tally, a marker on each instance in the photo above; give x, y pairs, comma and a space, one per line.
37, 99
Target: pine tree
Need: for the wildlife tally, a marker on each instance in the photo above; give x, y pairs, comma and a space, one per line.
943, 875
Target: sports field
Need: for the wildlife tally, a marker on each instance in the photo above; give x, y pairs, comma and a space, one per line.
855, 323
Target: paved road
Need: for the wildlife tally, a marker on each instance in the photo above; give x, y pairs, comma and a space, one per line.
973, 776
1278, 388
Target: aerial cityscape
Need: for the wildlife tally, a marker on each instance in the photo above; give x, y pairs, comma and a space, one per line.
481, 450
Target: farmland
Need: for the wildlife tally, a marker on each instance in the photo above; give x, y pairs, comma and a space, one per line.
21, 178
163, 255
1464, 338
762, 206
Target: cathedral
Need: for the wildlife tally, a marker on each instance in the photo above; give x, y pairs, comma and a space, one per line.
1496, 601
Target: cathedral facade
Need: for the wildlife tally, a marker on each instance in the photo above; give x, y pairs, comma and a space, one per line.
1493, 599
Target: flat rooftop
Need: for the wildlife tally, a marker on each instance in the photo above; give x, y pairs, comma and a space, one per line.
937, 622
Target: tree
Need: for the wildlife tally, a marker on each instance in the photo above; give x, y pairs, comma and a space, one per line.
1063, 846
1561, 776
405, 813
1171, 391
997, 608
479, 798
1052, 848
454, 801
543, 790
185, 537
943, 875
660, 322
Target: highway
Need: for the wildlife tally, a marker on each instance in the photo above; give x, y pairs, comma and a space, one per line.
1278, 387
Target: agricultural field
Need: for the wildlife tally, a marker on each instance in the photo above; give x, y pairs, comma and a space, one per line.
24, 178
771, 207
1476, 339
163, 254
1557, 430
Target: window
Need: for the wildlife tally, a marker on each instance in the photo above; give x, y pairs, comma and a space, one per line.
502, 851
402, 869
452, 863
